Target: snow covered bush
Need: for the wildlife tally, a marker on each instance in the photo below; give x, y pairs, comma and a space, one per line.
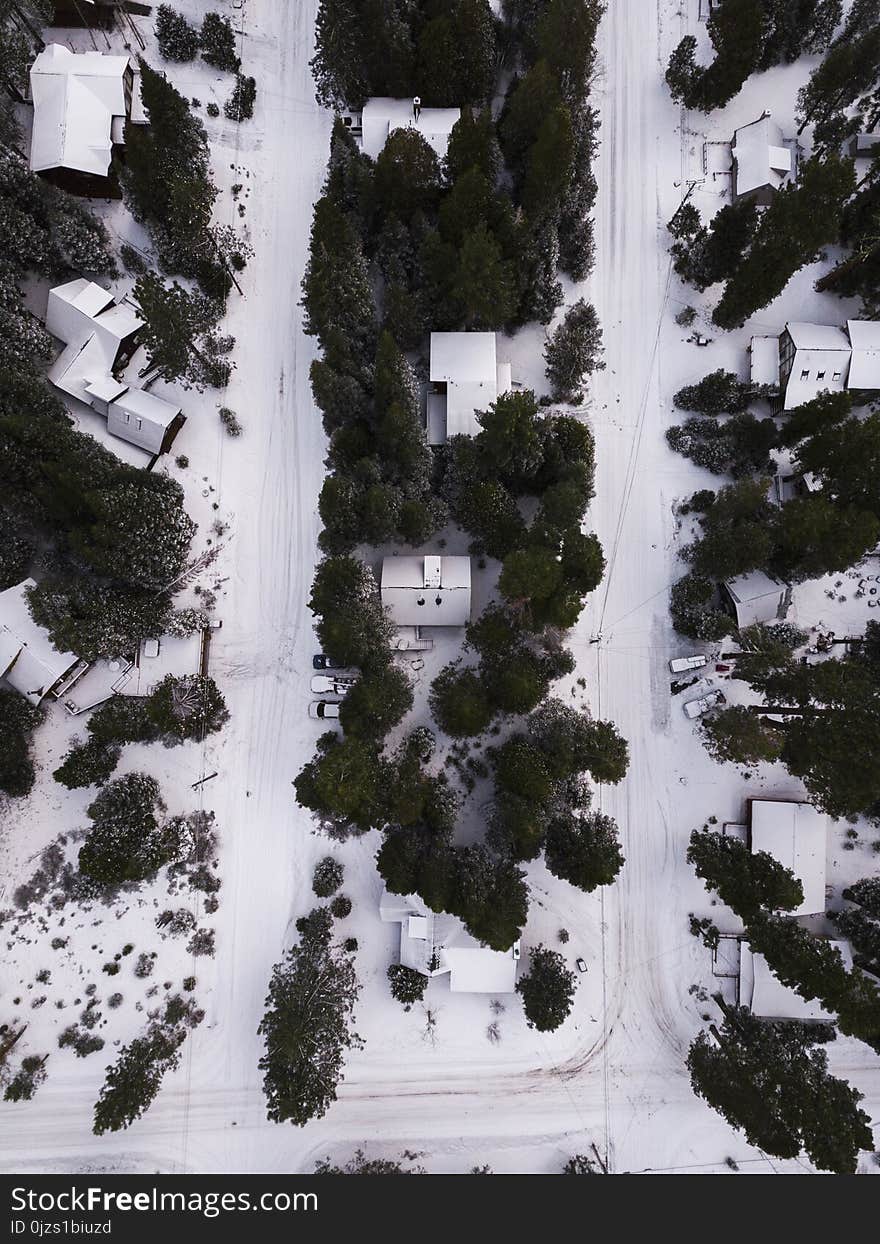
327, 877
573, 352
188, 707
547, 990
407, 985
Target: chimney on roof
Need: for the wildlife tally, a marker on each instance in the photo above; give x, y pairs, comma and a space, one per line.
432, 572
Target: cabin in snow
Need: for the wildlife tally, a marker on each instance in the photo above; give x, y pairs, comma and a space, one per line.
424, 590
808, 359
381, 117
440, 945
763, 162
29, 662
100, 337
796, 835
766, 996
81, 103
755, 597
465, 376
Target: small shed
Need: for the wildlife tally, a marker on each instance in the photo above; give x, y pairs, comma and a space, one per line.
756, 597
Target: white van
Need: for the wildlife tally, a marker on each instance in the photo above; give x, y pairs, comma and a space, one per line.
681, 665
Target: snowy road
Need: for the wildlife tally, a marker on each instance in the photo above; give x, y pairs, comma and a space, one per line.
616, 1078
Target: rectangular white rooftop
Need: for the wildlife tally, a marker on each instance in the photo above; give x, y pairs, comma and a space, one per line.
756, 597
76, 97
763, 161
764, 360
864, 369
411, 603
467, 364
381, 116
796, 835
766, 996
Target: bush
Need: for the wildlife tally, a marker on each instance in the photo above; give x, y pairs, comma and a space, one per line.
407, 985
341, 906
230, 421
88, 764
327, 877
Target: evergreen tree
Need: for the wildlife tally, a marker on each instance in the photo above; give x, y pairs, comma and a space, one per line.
27, 1079
327, 877
735, 734
180, 333
459, 703
380, 698
307, 1029
353, 627
407, 985
573, 743
456, 55
18, 720
337, 66
705, 256
187, 707
864, 935
95, 619
337, 296
745, 880
693, 608
177, 39
483, 289
547, 990
584, 850
573, 351
134, 1080
91, 763
765, 1079
218, 43
719, 393
344, 784
867, 894
126, 841
736, 29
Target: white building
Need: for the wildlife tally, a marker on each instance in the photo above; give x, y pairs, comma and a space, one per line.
796, 835
100, 336
763, 162
380, 117
81, 102
756, 597
465, 377
766, 996
440, 945
29, 661
425, 590
808, 359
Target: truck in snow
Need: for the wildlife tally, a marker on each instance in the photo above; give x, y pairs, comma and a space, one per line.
324, 685
696, 708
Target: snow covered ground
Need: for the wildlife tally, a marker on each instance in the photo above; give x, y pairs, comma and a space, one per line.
614, 1074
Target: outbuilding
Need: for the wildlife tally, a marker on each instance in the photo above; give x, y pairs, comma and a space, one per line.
756, 597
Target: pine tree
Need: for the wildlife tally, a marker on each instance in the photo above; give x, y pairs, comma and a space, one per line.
18, 720
721, 392
180, 333
764, 1079
483, 287
177, 39
353, 627
126, 841
134, 1080
407, 985
745, 880
187, 707
338, 66
573, 743
218, 43
547, 990
379, 699
91, 763
573, 351
584, 850
337, 296
27, 1079
307, 1029
456, 55
737, 735
867, 894
459, 703
343, 784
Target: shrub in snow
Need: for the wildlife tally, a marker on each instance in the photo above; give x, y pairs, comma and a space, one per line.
177, 39
350, 944
219, 43
201, 942
110, 968
240, 105
145, 964
580, 1164
407, 985
213, 110
27, 1080
83, 1043
114, 1001
327, 877
229, 419
341, 906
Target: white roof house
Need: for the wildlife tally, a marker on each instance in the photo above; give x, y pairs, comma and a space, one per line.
424, 590
465, 377
766, 996
29, 661
762, 160
381, 116
756, 597
814, 358
97, 332
796, 835
77, 98
864, 368
440, 945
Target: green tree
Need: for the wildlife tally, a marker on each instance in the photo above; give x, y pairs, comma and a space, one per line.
584, 850
574, 743
573, 351
187, 707
344, 784
380, 698
91, 763
745, 880
407, 985
766, 1080
218, 43
483, 288
134, 1080
352, 626
735, 734
18, 720
547, 990
719, 393
459, 703
180, 334
126, 841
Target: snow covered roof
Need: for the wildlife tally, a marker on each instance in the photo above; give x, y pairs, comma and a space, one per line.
756, 597
427, 591
29, 661
466, 363
764, 360
437, 944
796, 835
762, 159
820, 363
768, 998
382, 116
76, 96
817, 336
864, 370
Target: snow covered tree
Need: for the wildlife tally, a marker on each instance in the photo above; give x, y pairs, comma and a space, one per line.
338, 66
797, 27
456, 55
18, 720
180, 333
547, 990
240, 105
584, 850
381, 697
27, 1079
745, 880
95, 619
218, 43
177, 39
134, 1080
307, 1029
735, 734
187, 707
766, 1080
736, 29
407, 985
867, 894
344, 784
352, 625
703, 256
483, 288
694, 610
156, 531
126, 841
337, 295
573, 352
91, 763
863, 933
327, 877
574, 743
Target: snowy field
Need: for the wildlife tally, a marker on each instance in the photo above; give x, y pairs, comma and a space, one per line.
614, 1074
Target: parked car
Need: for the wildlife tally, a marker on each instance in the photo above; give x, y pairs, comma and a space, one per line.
320, 661
323, 684
696, 708
680, 665
323, 709
581, 965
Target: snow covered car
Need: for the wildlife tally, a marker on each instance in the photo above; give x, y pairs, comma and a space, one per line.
581, 965
323, 709
696, 708
680, 665
322, 684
